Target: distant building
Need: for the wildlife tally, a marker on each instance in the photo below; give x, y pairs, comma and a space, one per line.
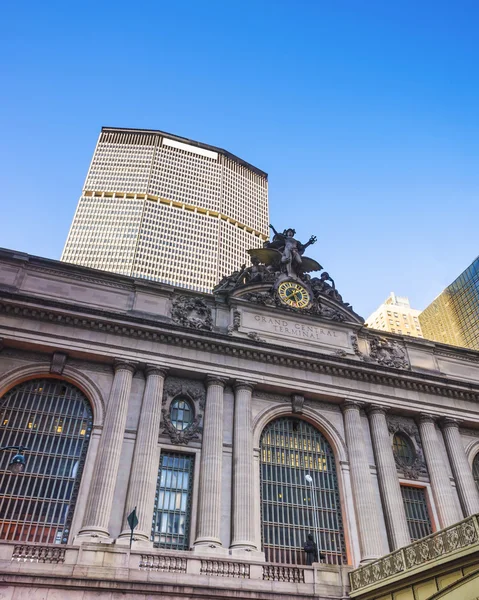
453, 317
396, 315
165, 208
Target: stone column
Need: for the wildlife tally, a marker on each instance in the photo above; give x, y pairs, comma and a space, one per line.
243, 470
144, 469
365, 503
391, 496
209, 495
466, 486
442, 491
102, 487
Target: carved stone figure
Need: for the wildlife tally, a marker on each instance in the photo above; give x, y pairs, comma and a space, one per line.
387, 353
291, 250
192, 312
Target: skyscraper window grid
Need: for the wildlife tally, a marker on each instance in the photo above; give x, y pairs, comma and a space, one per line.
160, 207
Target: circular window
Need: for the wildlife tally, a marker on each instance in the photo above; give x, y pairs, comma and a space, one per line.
181, 414
403, 449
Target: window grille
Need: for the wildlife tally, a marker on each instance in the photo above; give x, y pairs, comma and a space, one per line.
53, 419
181, 414
417, 513
290, 449
171, 518
403, 450
475, 469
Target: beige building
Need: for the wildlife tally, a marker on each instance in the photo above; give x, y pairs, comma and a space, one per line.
164, 208
396, 316
235, 424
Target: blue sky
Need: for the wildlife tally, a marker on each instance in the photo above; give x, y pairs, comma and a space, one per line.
364, 114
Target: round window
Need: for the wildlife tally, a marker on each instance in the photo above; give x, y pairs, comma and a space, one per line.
181, 414
403, 450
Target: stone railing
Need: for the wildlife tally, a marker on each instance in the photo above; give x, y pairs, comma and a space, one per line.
283, 573
225, 569
439, 544
39, 554
167, 564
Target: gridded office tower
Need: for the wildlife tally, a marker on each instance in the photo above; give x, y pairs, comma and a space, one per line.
168, 209
396, 315
453, 317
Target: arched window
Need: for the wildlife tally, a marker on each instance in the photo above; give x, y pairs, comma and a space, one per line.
181, 413
475, 469
403, 450
53, 420
292, 507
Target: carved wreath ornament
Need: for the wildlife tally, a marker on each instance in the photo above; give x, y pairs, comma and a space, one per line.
192, 312
194, 393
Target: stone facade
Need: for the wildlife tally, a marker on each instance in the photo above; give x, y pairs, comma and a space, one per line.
241, 365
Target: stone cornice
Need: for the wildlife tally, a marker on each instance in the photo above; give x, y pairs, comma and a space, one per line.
167, 333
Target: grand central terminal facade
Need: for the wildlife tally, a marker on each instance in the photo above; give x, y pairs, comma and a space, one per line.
232, 426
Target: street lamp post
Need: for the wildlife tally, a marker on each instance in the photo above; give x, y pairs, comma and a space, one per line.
309, 479
17, 464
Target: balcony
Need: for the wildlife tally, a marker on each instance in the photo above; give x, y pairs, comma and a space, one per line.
453, 550
110, 567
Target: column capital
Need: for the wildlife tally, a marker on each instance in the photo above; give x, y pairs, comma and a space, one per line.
124, 365
450, 423
244, 385
156, 370
426, 418
215, 380
377, 409
349, 404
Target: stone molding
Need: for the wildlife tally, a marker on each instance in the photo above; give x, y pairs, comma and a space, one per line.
426, 418
377, 408
223, 344
352, 405
125, 365
156, 370
449, 422
215, 380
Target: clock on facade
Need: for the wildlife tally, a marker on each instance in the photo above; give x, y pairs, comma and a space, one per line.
293, 294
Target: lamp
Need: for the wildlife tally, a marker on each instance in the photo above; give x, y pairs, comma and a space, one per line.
17, 464
309, 479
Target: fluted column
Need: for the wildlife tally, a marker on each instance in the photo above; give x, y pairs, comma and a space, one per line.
102, 487
243, 470
442, 491
365, 503
144, 469
209, 497
466, 486
391, 496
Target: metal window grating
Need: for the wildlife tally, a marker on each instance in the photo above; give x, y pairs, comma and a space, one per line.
53, 419
403, 449
475, 469
171, 518
290, 449
417, 514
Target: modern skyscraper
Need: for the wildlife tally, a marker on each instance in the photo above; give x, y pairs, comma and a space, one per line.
396, 315
453, 317
165, 208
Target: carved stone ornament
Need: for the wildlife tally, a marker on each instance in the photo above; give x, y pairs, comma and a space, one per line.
253, 335
181, 437
408, 428
235, 325
192, 312
192, 390
58, 363
297, 403
387, 353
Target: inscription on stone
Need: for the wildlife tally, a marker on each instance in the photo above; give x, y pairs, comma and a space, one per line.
294, 330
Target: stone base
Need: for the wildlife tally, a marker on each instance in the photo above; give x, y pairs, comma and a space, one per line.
92, 539
210, 550
137, 543
248, 554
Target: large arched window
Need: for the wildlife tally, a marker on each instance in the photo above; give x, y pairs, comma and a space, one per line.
292, 506
475, 469
53, 420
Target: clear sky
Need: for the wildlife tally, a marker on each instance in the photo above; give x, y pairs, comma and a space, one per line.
364, 114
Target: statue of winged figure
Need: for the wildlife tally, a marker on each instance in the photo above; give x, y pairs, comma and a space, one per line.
285, 253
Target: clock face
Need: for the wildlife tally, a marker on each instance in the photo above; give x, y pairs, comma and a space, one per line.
293, 294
